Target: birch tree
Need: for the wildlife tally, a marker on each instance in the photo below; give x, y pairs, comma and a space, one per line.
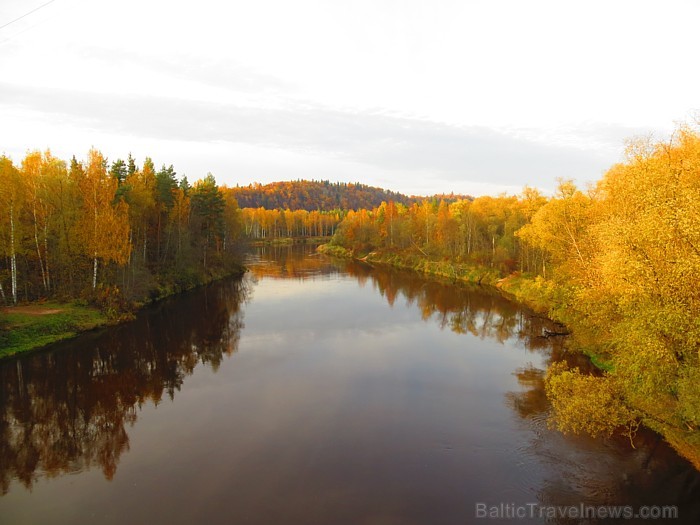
105, 226
11, 199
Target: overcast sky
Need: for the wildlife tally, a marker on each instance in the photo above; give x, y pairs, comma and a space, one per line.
421, 97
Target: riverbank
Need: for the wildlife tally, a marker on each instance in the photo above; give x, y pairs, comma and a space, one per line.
528, 291
26, 328
540, 295
34, 326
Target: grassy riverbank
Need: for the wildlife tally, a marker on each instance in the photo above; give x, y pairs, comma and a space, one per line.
542, 296
29, 327
524, 289
34, 326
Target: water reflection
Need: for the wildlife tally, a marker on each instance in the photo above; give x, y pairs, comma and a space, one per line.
68, 409
336, 409
463, 309
579, 469
603, 471
297, 261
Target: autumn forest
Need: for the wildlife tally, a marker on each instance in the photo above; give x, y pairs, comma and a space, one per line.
616, 263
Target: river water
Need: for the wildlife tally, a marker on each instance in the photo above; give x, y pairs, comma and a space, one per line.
314, 391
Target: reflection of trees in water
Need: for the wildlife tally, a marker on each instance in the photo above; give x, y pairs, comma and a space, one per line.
594, 472
296, 261
578, 469
66, 410
462, 309
531, 402
476, 310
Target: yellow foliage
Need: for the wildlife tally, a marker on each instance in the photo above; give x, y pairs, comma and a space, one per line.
628, 253
583, 403
560, 229
105, 227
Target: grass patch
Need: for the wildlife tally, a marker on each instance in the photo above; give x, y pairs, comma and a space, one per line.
27, 328
335, 251
599, 361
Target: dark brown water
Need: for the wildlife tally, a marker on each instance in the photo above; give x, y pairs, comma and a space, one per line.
311, 392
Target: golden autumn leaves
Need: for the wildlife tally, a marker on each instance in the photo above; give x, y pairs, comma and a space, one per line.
635, 289
65, 227
618, 263
33, 197
104, 227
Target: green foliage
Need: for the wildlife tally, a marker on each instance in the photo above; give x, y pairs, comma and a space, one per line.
208, 204
166, 184
119, 170
29, 328
130, 165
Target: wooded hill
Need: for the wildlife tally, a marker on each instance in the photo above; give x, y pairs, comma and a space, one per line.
313, 195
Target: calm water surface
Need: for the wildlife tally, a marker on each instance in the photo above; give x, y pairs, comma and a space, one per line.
311, 392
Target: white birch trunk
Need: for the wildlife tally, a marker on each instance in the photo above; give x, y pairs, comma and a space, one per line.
94, 266
13, 255
46, 256
38, 249
94, 273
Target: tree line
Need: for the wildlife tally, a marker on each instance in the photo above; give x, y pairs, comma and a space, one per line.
312, 195
261, 223
482, 231
85, 228
618, 262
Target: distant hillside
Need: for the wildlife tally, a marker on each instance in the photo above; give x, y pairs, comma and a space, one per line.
322, 195
315, 195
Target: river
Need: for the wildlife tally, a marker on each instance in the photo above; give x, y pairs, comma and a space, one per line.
314, 391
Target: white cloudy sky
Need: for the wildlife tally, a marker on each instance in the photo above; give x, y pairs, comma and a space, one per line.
417, 96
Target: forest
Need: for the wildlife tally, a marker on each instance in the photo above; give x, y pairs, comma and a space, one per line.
261, 223
312, 195
109, 233
617, 263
